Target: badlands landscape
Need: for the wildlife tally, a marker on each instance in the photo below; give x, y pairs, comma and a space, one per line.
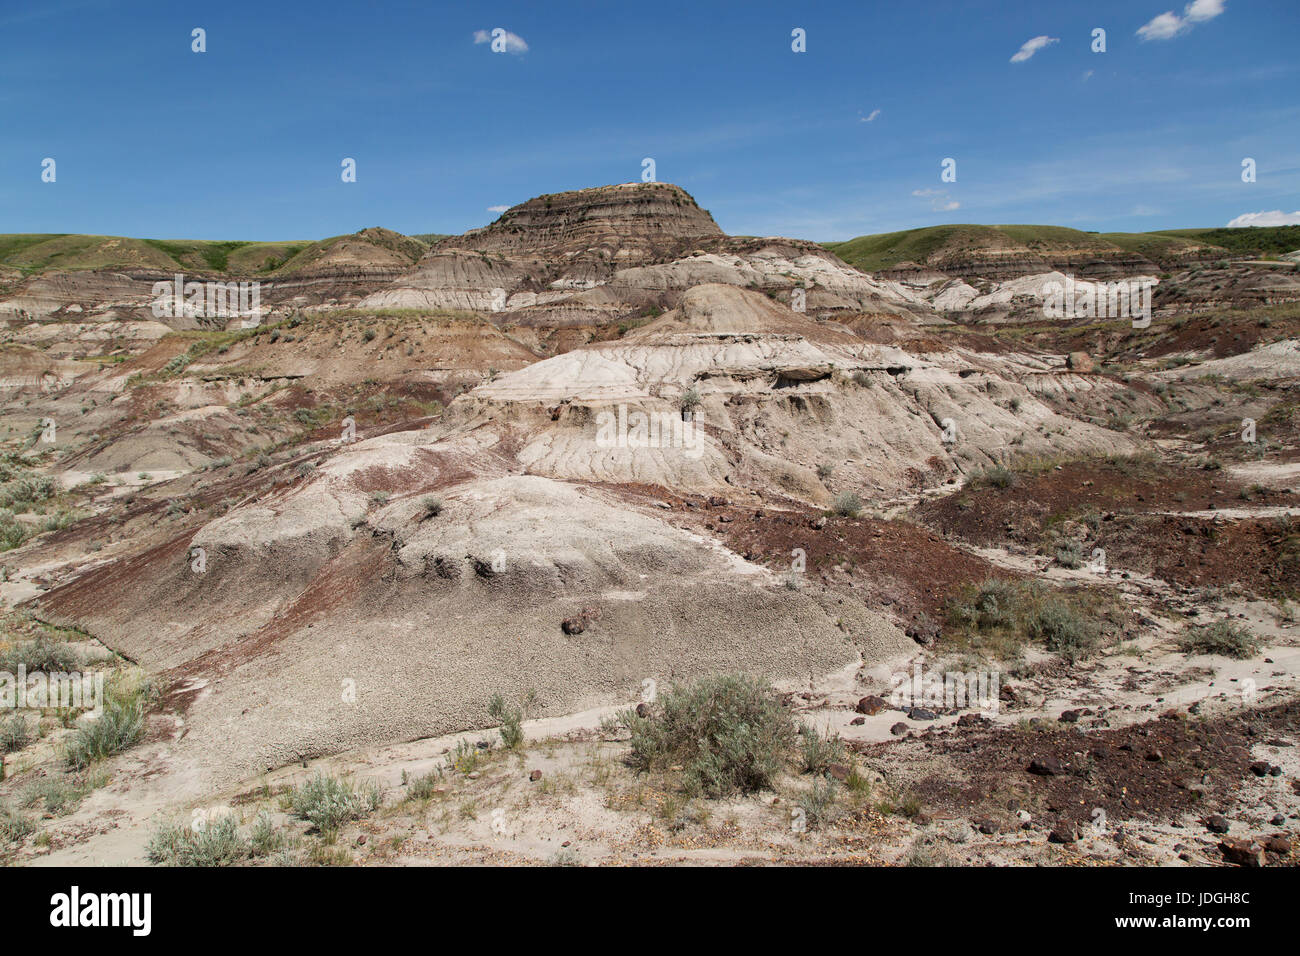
452, 549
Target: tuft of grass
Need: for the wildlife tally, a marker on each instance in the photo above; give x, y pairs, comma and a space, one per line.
14, 734
847, 504
817, 752
1000, 616
511, 718
117, 727
1064, 631
424, 787
329, 802
1225, 638
216, 843
995, 477
728, 733
45, 654
818, 803
14, 826
1069, 555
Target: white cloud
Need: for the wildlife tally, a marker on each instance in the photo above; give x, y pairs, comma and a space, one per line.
1030, 47
514, 42
1275, 217
870, 117
497, 208
1087, 76
1169, 24
939, 199
1199, 10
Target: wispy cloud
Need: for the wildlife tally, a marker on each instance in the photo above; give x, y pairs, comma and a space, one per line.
940, 201
1169, 24
513, 42
1030, 47
497, 209
1275, 217
869, 117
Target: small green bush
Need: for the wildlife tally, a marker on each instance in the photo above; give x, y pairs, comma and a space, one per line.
14, 827
728, 733
118, 726
46, 654
328, 802
14, 734
817, 752
1222, 637
1064, 631
818, 803
511, 719
995, 477
217, 843
1069, 555
847, 504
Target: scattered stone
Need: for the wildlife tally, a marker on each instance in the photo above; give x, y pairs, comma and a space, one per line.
871, 705
1046, 766
1217, 823
972, 720
1242, 852
857, 721
573, 625
1070, 716
1259, 768
1064, 832
535, 776
898, 729
839, 771
987, 826
1278, 844
920, 713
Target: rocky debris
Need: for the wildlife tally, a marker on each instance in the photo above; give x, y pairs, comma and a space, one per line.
1048, 766
921, 713
578, 623
871, 705
535, 776
899, 729
1080, 362
1064, 832
1217, 823
1243, 852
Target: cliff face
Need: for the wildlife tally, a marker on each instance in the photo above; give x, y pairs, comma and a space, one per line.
596, 231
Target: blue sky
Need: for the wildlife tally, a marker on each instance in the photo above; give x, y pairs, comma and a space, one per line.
245, 141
